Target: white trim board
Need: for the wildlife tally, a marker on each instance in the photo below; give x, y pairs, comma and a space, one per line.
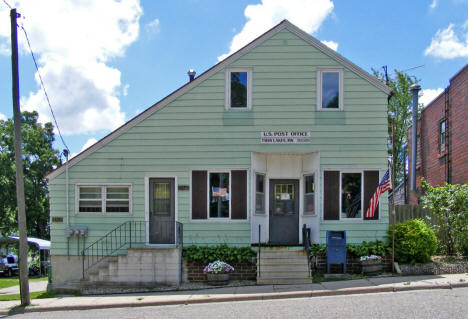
285, 24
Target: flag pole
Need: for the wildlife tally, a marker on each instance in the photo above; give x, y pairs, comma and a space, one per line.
393, 195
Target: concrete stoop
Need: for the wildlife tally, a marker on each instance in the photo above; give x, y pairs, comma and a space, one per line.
137, 268
281, 266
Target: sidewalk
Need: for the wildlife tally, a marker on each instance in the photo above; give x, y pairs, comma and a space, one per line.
369, 285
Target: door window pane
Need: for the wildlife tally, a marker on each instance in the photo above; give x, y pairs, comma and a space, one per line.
219, 195
330, 90
309, 195
239, 89
162, 198
260, 194
283, 199
351, 195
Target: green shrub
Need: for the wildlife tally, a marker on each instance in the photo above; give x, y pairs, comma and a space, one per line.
449, 203
369, 248
206, 254
415, 241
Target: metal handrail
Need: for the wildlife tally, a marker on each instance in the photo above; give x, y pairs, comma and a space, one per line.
306, 242
127, 234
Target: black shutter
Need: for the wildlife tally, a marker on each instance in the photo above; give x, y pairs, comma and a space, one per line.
371, 181
239, 195
331, 193
199, 195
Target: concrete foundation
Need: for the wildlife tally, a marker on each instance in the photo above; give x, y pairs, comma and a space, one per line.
137, 266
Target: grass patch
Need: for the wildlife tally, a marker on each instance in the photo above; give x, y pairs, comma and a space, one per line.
32, 295
10, 282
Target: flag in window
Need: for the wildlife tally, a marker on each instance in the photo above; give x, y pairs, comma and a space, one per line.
219, 191
384, 185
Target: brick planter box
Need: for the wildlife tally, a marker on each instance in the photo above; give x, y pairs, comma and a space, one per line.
242, 271
353, 264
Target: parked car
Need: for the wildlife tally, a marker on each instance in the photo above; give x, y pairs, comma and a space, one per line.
9, 265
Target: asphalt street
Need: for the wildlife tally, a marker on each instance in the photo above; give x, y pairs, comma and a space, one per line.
443, 303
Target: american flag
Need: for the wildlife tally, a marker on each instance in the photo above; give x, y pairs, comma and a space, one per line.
384, 186
219, 191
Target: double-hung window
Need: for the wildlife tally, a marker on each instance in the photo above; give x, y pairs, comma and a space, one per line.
103, 199
260, 194
442, 135
219, 199
219, 194
238, 89
309, 195
347, 194
330, 89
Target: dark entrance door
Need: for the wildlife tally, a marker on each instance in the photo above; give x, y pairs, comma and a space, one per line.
162, 220
284, 211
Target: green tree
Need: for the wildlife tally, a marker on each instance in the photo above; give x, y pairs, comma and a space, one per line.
450, 204
39, 158
399, 108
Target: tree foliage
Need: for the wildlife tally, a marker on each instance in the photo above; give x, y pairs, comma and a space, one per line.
399, 108
450, 204
39, 158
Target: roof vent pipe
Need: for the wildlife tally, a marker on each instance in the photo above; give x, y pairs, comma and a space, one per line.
191, 73
414, 134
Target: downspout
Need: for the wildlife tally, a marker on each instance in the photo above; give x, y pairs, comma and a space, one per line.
414, 134
65, 152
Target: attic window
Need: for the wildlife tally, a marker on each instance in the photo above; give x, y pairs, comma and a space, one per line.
329, 89
238, 88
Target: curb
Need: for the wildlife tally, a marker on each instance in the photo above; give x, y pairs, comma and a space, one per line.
265, 296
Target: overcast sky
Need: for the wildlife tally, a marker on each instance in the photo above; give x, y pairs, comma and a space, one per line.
103, 62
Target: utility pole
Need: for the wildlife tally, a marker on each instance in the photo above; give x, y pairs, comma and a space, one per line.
23, 245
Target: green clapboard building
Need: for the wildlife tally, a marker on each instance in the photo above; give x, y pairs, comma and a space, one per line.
283, 133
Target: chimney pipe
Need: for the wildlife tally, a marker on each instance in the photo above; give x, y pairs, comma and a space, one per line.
191, 73
414, 133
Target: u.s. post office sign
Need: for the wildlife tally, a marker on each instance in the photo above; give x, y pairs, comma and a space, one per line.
285, 137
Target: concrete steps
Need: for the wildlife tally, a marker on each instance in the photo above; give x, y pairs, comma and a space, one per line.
282, 265
138, 267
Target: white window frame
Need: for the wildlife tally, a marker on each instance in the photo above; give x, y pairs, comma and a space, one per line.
348, 170
362, 193
227, 101
305, 211
320, 72
103, 187
264, 195
209, 190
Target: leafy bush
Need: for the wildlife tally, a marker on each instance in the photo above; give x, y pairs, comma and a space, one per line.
318, 249
369, 248
415, 241
207, 254
449, 203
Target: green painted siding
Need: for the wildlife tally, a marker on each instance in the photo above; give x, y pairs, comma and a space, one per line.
195, 131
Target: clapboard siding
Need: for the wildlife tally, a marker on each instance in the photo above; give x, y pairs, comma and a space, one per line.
195, 131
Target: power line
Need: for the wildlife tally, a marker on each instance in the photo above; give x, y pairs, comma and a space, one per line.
8, 5
43, 88
42, 82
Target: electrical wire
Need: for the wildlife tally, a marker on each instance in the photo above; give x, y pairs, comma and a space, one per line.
8, 5
44, 89
42, 82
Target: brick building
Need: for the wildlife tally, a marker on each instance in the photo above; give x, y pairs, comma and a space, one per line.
442, 153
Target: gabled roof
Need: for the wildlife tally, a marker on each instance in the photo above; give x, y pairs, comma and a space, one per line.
285, 24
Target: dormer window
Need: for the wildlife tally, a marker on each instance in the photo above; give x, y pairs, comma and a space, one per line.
238, 89
329, 89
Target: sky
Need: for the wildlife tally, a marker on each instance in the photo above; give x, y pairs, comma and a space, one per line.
103, 62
